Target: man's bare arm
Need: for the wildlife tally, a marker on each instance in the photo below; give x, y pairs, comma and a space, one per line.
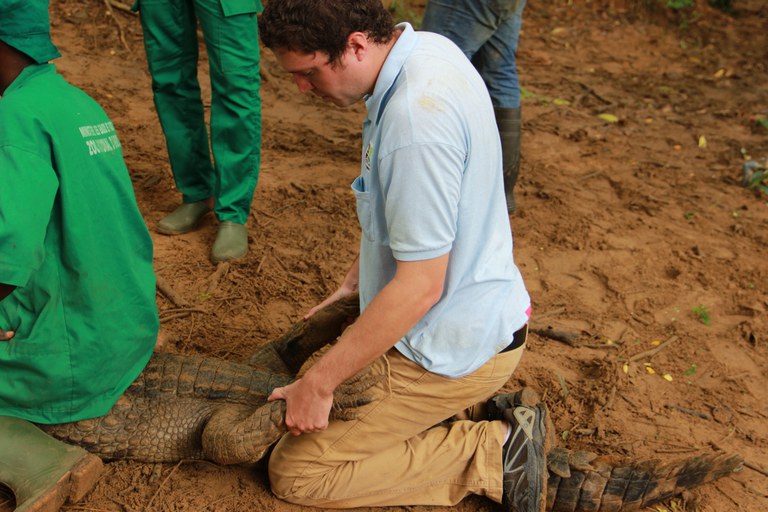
416, 287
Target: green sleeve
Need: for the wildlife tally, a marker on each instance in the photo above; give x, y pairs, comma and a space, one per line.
28, 186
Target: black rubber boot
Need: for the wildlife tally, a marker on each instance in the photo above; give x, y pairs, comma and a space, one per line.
508, 120
43, 473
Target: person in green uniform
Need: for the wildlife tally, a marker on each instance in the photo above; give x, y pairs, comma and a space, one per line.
225, 185
78, 318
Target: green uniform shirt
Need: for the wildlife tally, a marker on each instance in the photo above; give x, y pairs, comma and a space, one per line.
74, 244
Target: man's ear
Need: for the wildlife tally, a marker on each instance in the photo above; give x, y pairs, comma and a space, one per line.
358, 43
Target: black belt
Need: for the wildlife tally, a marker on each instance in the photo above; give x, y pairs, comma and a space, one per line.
518, 339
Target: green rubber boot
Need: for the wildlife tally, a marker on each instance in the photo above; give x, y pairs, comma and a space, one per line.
231, 242
183, 219
42, 472
508, 120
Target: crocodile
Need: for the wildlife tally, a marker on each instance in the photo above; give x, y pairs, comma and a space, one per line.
184, 407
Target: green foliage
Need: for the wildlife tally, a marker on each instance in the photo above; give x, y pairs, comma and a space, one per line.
401, 12
702, 314
758, 183
677, 5
690, 371
755, 177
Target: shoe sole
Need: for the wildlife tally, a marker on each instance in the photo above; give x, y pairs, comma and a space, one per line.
84, 477
70, 488
171, 232
233, 258
193, 227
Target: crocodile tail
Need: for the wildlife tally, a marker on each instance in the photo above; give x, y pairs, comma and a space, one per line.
580, 482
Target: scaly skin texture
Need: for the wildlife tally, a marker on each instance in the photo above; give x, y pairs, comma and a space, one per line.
186, 407
580, 481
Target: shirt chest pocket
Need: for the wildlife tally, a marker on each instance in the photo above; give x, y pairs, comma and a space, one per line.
364, 213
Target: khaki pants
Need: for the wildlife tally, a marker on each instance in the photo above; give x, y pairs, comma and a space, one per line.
397, 452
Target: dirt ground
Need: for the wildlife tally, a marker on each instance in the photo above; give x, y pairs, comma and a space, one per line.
632, 235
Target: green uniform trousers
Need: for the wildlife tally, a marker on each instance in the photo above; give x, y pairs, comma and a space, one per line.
230, 31
393, 454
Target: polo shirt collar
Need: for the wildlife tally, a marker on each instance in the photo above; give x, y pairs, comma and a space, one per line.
390, 70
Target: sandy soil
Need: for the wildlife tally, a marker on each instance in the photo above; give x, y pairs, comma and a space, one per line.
624, 230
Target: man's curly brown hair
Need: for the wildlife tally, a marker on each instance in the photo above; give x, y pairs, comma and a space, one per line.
308, 26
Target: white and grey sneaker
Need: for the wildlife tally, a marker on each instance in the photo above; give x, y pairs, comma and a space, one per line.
524, 460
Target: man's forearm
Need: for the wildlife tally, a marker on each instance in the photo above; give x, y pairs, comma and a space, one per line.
389, 317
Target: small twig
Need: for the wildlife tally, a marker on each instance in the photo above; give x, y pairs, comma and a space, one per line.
590, 175
641, 320
120, 32
650, 353
161, 485
174, 317
298, 187
265, 213
184, 310
600, 345
569, 338
611, 398
292, 274
600, 110
123, 504
563, 387
591, 91
219, 500
676, 450
258, 267
755, 467
167, 290
729, 434
215, 278
123, 7
736, 503
671, 446
81, 508
698, 414
550, 312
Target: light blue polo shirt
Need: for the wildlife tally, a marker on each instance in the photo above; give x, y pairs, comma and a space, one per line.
430, 184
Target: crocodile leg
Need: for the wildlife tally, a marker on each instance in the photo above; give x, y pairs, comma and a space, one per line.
289, 352
235, 434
